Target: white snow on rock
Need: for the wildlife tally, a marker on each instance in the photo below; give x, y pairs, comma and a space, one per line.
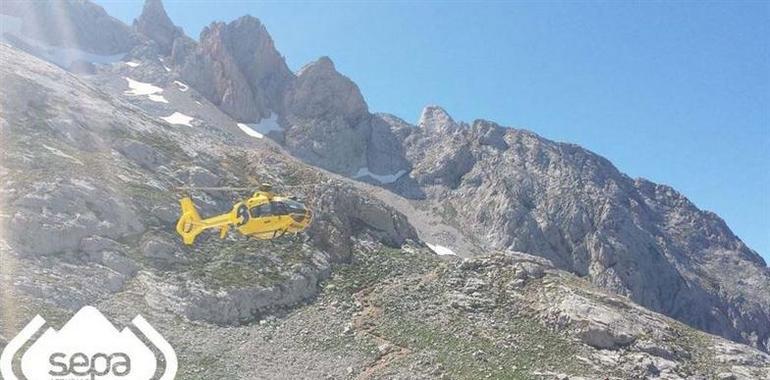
247, 130
263, 127
386, 178
441, 250
182, 87
138, 88
179, 118
133, 64
152, 92
267, 124
157, 98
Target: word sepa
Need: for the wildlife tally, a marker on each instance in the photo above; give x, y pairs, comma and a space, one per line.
100, 364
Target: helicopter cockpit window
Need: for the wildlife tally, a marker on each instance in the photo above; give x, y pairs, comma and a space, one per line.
294, 206
279, 208
261, 210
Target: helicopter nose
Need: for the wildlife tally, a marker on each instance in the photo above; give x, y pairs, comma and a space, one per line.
299, 218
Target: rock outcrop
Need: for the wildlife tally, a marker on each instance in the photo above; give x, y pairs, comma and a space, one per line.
236, 67
327, 118
321, 92
154, 24
569, 205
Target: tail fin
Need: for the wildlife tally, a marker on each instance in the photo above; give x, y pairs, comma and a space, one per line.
190, 224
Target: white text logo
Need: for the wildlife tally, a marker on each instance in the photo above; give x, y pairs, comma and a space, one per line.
88, 347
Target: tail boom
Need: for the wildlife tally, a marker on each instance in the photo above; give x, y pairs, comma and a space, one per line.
190, 224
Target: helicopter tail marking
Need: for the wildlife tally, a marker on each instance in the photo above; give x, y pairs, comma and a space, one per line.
190, 224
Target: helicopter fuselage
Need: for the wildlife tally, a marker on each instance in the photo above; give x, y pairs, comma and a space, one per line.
271, 216
263, 216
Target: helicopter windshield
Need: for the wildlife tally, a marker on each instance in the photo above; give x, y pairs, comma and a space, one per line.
294, 206
284, 207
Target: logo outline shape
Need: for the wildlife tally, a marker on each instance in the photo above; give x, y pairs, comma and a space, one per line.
88, 316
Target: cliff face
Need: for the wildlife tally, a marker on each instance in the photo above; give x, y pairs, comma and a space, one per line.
517, 191
154, 24
236, 67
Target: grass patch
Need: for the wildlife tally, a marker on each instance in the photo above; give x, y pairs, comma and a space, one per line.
367, 269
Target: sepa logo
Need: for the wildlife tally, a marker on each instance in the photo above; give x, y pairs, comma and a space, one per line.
88, 347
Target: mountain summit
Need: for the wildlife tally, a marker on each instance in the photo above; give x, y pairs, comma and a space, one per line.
155, 24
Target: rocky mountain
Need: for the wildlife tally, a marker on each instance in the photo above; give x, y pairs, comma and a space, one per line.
559, 246
236, 67
154, 24
324, 111
97, 204
573, 207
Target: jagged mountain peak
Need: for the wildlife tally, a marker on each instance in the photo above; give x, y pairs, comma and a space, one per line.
249, 21
155, 24
435, 117
323, 64
154, 8
237, 67
320, 91
244, 25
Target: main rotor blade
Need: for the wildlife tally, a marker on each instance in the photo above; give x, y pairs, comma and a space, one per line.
224, 188
253, 188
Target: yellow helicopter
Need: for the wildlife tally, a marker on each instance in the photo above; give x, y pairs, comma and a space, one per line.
263, 216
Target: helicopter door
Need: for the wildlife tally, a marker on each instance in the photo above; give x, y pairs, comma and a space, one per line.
279, 209
263, 219
264, 212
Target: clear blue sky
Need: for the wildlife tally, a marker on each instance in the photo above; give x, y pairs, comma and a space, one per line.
676, 92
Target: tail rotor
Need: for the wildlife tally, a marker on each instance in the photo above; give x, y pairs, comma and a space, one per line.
189, 225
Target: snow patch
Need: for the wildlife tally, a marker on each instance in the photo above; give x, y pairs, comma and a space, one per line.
387, 178
263, 127
267, 124
167, 69
157, 98
132, 64
178, 118
152, 92
182, 87
247, 130
441, 250
138, 88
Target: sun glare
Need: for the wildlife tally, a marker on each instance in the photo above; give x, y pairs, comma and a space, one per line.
8, 305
